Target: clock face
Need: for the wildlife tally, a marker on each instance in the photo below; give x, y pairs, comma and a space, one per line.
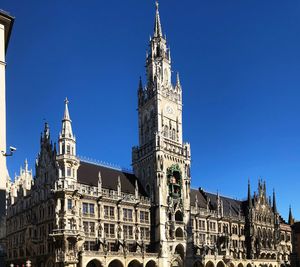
169, 110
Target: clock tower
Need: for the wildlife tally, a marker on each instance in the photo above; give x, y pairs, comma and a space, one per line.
162, 161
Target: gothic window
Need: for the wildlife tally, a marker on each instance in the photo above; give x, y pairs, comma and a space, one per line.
92, 227
178, 216
166, 131
179, 233
145, 233
212, 226
70, 224
127, 215
213, 239
69, 204
144, 216
68, 149
173, 134
242, 231
109, 230
86, 227
92, 208
109, 212
63, 148
68, 171
202, 238
202, 224
225, 228
85, 208
128, 232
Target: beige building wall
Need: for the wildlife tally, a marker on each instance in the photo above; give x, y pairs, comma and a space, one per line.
3, 168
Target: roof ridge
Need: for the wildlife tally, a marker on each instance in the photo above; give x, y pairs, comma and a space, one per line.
213, 193
105, 164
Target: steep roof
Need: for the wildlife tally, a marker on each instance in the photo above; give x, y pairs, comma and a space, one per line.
230, 205
201, 199
88, 174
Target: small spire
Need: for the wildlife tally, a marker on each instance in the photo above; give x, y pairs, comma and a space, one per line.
136, 189
99, 182
249, 195
119, 186
157, 25
274, 202
178, 80
66, 114
140, 84
26, 165
291, 218
46, 131
66, 122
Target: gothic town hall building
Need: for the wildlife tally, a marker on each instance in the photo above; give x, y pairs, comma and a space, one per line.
77, 213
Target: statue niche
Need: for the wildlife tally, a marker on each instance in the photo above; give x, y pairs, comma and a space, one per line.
174, 177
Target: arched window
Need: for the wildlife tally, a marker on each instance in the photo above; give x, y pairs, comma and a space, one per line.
179, 233
68, 149
166, 131
173, 134
178, 216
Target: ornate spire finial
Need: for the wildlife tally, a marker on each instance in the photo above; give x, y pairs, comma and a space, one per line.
157, 25
66, 114
178, 80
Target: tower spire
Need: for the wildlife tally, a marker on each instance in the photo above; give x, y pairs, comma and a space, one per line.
66, 114
157, 24
249, 195
274, 202
67, 160
291, 218
66, 122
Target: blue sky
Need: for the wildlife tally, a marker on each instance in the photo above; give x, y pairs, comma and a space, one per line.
239, 63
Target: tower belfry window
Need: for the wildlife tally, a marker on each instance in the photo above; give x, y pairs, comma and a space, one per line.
69, 174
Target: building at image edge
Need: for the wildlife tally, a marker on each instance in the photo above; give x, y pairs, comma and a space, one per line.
73, 212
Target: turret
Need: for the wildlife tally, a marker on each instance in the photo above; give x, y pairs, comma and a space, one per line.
291, 220
67, 160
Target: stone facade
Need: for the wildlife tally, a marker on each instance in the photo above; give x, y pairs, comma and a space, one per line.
79, 213
6, 23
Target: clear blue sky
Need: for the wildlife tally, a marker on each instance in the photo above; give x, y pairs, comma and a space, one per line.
239, 63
